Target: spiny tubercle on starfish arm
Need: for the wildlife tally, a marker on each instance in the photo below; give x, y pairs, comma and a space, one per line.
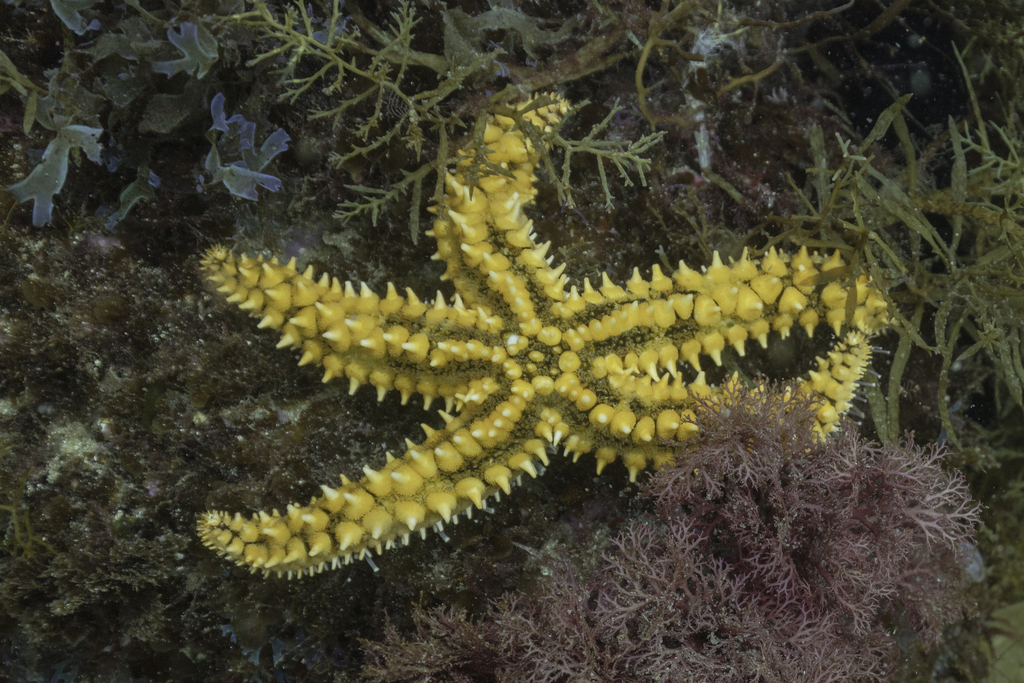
520, 363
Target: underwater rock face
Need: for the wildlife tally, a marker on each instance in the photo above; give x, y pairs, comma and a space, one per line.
132, 398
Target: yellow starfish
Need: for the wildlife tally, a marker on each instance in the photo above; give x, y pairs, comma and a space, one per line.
522, 364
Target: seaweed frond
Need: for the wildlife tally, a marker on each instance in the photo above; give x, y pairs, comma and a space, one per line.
965, 281
21, 540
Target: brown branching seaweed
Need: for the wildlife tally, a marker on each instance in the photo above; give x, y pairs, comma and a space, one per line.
774, 556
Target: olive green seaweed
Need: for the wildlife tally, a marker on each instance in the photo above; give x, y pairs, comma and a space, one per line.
21, 540
970, 292
351, 54
12, 79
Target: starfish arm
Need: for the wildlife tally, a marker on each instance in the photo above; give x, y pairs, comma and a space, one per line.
727, 305
478, 454
482, 234
633, 337
703, 314
394, 342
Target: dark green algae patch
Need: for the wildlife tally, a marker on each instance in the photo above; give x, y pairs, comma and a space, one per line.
132, 398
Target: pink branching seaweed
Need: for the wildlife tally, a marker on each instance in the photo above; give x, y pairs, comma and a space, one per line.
771, 556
